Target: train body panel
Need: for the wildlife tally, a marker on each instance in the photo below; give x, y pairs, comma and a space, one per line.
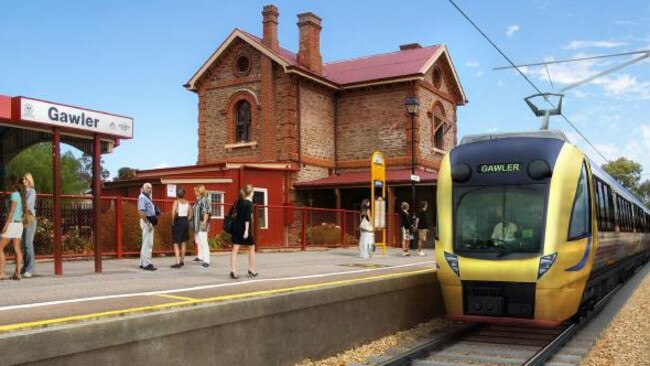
537, 264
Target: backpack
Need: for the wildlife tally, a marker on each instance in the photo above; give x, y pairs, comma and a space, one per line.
229, 220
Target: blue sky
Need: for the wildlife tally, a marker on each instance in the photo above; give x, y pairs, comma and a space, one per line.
132, 58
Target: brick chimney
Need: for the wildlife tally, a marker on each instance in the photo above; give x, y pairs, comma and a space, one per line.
410, 46
270, 16
309, 35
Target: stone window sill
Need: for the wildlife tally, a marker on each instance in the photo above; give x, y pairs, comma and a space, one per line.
439, 151
241, 145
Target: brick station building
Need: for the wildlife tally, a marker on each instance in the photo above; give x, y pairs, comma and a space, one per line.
302, 131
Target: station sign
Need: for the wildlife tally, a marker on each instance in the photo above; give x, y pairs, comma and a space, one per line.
500, 168
89, 121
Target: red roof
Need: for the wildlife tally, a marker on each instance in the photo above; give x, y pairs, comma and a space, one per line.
363, 178
362, 69
376, 67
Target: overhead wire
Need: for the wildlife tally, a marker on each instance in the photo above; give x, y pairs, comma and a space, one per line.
574, 59
524, 76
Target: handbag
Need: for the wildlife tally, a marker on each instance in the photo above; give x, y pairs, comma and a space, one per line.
28, 218
229, 220
365, 225
153, 220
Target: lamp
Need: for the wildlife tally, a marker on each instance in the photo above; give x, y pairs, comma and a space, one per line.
412, 105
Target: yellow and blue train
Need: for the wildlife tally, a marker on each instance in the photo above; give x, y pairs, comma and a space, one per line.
530, 231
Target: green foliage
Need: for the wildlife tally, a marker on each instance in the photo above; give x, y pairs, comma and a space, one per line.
124, 173
37, 160
643, 192
627, 172
220, 241
324, 234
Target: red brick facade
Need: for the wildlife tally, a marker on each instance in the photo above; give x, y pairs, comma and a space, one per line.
318, 127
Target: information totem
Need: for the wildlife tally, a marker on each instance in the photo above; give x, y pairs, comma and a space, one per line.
378, 194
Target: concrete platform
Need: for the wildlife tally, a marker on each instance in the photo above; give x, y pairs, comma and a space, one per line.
84, 304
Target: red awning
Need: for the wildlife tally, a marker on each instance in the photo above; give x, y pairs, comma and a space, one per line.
360, 179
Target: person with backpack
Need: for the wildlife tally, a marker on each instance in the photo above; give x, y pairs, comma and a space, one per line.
148, 219
242, 231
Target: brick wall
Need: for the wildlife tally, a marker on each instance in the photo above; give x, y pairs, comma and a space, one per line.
317, 124
222, 88
370, 120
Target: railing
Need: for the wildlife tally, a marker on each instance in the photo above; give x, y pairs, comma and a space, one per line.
276, 227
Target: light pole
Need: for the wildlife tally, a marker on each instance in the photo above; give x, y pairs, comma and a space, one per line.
412, 105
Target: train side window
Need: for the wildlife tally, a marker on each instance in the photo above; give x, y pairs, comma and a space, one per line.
579, 226
609, 208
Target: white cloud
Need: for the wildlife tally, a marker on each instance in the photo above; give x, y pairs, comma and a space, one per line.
161, 166
512, 29
619, 85
574, 45
625, 22
479, 73
472, 63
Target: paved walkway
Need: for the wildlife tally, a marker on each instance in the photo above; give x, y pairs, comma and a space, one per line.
123, 288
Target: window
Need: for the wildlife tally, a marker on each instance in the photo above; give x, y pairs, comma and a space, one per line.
604, 211
438, 126
216, 200
261, 214
242, 65
243, 122
500, 219
579, 224
439, 133
437, 77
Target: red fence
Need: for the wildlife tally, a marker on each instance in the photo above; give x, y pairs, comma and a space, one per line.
276, 227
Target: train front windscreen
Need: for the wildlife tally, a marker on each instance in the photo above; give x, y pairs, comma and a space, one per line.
501, 221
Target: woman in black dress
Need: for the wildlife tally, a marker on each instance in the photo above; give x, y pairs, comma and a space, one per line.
242, 233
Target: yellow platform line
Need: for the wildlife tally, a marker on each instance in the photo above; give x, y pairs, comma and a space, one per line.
96, 316
189, 299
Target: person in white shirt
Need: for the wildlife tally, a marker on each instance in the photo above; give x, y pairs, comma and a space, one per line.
504, 231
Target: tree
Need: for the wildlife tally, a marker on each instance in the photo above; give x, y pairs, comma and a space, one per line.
644, 192
37, 160
627, 172
124, 173
87, 169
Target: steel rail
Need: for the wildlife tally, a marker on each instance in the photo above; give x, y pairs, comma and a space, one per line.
547, 352
405, 358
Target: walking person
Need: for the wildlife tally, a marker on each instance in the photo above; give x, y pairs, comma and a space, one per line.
182, 215
406, 224
242, 233
202, 213
423, 226
29, 228
13, 227
367, 236
196, 238
148, 218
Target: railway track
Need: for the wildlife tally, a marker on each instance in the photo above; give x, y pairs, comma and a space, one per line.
477, 344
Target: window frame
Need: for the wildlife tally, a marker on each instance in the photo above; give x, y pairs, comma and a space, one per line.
219, 206
248, 125
266, 204
589, 230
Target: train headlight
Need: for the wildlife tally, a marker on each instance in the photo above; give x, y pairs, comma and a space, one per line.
452, 260
545, 263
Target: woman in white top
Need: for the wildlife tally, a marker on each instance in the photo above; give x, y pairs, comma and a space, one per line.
181, 227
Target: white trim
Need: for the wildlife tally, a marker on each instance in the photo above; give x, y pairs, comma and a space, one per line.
266, 203
240, 145
387, 81
434, 58
196, 181
222, 203
257, 101
278, 166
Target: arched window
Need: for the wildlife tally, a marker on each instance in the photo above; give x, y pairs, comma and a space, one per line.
438, 126
243, 122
